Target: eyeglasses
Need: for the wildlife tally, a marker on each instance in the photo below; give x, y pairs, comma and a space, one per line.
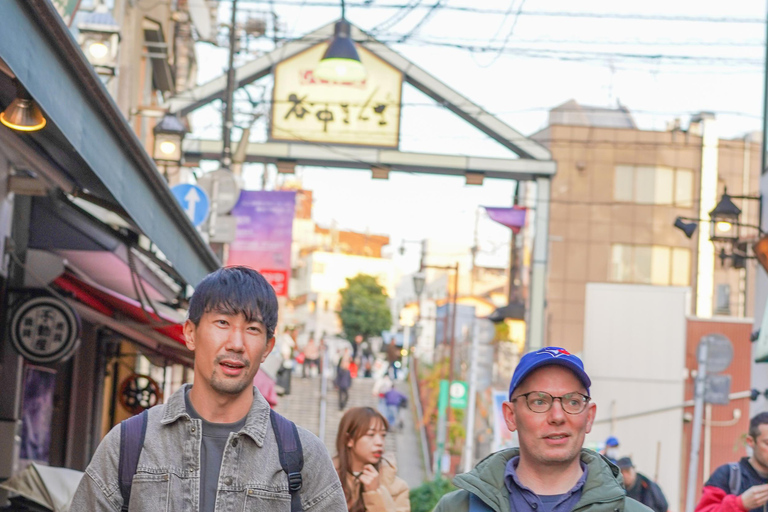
540, 402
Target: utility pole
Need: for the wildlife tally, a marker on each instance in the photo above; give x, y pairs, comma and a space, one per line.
228, 121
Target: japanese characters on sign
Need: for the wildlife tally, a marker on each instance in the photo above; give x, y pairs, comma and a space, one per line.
307, 109
44, 330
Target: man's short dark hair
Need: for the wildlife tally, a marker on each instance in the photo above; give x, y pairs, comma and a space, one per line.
755, 422
234, 291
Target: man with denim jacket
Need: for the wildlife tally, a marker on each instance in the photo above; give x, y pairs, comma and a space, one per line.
211, 446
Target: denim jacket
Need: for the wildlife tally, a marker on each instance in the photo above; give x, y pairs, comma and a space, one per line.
168, 474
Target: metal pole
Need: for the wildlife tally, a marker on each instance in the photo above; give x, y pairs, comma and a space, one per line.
453, 321
538, 299
323, 393
698, 406
226, 137
469, 442
765, 102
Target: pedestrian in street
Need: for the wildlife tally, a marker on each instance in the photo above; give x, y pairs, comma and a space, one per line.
743, 485
368, 475
611, 448
394, 400
550, 409
343, 380
380, 387
393, 358
641, 488
311, 357
212, 445
356, 348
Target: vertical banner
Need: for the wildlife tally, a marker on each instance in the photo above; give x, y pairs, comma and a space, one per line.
37, 414
263, 235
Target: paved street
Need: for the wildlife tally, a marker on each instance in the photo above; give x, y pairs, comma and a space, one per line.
303, 407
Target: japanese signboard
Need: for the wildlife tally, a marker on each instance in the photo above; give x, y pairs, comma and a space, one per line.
307, 109
263, 235
44, 330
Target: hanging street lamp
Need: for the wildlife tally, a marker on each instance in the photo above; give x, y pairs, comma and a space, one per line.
725, 220
169, 133
341, 62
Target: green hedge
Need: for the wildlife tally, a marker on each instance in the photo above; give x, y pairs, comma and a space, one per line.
425, 497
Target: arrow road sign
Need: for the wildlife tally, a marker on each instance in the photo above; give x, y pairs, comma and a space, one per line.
193, 200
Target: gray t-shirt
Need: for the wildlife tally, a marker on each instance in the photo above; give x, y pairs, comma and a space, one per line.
215, 437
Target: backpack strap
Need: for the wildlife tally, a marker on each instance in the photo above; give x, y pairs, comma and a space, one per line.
291, 455
132, 433
478, 505
734, 478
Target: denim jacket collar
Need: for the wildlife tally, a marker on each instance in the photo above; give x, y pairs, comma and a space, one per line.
256, 420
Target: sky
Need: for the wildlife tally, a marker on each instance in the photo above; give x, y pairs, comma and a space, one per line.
517, 59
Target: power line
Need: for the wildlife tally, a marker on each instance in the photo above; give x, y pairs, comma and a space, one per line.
421, 22
559, 14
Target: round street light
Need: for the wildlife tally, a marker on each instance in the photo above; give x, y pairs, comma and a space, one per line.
725, 220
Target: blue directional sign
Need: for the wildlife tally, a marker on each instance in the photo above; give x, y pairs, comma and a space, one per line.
193, 200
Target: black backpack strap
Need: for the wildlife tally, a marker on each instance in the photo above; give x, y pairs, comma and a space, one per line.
734, 478
291, 455
132, 433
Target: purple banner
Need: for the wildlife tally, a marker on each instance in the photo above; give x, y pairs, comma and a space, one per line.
513, 218
264, 234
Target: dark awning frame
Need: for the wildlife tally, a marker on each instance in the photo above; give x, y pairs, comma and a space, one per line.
39, 49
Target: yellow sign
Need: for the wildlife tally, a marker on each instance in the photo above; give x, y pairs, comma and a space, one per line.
307, 109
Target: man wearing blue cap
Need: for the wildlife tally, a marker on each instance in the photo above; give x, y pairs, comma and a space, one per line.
549, 407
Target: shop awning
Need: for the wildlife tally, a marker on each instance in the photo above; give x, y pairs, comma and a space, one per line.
87, 141
161, 332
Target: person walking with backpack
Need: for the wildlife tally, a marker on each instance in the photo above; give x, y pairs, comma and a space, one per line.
215, 445
368, 475
741, 486
550, 408
641, 488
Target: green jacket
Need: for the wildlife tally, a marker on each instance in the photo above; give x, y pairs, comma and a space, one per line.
603, 491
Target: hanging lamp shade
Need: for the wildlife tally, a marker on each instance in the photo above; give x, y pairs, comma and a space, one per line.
341, 63
23, 114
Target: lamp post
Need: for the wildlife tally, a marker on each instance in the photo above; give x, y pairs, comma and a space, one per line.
169, 134
99, 38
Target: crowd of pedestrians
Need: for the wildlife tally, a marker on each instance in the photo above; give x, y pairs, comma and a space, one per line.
218, 445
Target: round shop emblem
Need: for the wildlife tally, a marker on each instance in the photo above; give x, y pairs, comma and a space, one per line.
44, 330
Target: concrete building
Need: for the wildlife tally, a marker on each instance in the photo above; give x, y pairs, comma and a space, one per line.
615, 198
322, 260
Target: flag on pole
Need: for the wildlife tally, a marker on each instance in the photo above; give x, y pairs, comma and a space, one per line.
513, 218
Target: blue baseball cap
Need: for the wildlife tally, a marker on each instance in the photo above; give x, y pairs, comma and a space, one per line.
546, 356
612, 441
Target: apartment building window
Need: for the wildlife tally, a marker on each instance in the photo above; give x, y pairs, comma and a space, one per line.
723, 300
644, 184
650, 264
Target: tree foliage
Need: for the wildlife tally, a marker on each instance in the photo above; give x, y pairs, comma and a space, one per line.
364, 308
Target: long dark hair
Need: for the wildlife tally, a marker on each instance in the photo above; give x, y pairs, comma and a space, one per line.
353, 425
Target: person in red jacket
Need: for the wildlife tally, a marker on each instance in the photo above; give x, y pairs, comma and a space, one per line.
741, 486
